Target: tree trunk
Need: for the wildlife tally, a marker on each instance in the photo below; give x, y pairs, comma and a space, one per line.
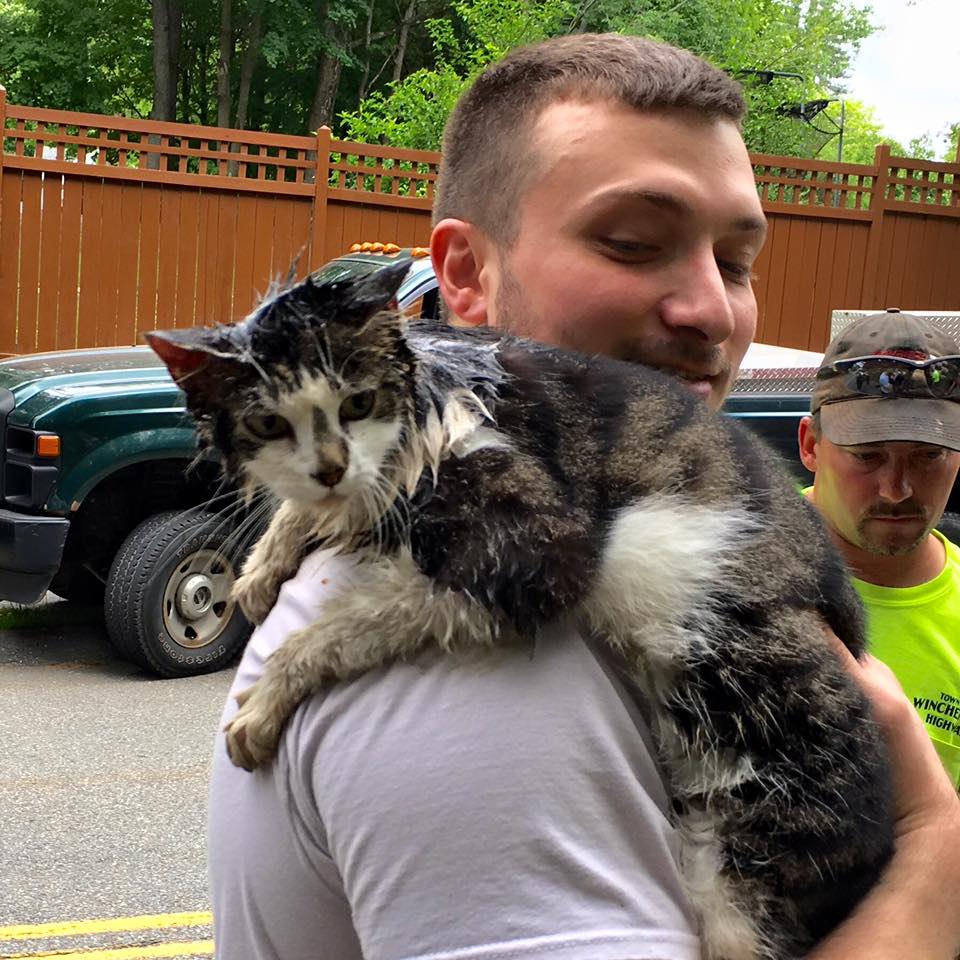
166, 56
325, 95
186, 82
247, 66
204, 99
223, 63
402, 40
328, 73
366, 63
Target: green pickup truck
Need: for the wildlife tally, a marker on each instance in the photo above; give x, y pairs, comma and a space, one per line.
103, 495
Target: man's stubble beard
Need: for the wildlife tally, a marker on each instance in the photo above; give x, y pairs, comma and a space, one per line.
888, 547
515, 316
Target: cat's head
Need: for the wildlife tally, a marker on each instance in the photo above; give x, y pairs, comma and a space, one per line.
311, 395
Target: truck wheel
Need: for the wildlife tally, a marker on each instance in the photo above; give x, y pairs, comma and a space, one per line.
167, 600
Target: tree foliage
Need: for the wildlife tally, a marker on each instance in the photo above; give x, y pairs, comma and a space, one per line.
813, 39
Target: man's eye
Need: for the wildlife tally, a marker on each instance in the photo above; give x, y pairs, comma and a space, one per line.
629, 248
267, 426
866, 457
358, 405
738, 272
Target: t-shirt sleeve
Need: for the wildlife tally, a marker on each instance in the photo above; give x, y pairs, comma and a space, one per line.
504, 805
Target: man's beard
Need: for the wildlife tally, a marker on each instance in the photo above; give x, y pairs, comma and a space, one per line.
671, 355
897, 543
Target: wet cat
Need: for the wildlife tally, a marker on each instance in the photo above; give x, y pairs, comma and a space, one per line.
489, 486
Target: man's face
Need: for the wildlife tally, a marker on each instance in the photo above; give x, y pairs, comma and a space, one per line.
636, 241
883, 497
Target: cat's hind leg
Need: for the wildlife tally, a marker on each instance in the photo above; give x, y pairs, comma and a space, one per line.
390, 612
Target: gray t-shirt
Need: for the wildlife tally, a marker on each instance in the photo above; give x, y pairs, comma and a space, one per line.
504, 805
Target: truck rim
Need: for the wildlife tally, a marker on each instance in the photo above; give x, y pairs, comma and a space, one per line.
196, 601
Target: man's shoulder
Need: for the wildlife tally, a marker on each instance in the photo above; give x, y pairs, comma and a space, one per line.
530, 679
555, 705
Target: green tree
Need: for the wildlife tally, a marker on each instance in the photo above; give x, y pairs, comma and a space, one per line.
812, 39
93, 57
413, 112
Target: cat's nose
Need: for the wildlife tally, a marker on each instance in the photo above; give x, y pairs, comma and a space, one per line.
329, 476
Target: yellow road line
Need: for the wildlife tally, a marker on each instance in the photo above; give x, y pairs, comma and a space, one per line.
192, 948
75, 928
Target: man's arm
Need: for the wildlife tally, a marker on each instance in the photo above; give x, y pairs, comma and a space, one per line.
912, 911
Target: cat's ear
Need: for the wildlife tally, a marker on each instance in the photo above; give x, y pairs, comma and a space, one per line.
376, 292
192, 351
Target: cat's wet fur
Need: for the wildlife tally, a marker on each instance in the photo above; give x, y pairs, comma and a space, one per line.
505, 484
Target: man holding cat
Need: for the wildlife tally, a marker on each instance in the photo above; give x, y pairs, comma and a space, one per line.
883, 443
595, 194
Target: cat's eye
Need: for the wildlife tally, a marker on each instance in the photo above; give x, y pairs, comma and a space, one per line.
358, 405
267, 426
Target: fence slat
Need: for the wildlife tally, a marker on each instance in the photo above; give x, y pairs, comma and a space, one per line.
10, 184
128, 263
48, 294
69, 277
91, 214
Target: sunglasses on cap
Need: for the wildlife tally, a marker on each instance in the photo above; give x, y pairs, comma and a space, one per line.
879, 376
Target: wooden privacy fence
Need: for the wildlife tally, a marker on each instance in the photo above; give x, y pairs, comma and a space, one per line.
847, 236
110, 227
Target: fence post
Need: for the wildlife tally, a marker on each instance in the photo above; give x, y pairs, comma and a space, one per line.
870, 291
3, 127
321, 185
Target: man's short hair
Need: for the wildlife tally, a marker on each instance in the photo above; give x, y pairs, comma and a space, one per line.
487, 162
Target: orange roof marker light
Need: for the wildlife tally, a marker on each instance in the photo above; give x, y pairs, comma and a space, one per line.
389, 249
48, 445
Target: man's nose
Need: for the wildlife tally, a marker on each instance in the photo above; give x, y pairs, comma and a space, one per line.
895, 485
700, 301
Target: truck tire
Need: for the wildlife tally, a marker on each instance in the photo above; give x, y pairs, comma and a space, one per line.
167, 602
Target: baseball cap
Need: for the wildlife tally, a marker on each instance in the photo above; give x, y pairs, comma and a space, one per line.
849, 418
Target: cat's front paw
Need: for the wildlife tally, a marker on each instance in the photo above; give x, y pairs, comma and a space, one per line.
256, 592
254, 732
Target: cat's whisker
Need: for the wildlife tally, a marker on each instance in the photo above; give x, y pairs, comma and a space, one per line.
252, 521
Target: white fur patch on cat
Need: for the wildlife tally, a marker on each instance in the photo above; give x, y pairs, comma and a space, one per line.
664, 555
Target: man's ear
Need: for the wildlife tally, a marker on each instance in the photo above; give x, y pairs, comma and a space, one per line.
807, 441
460, 252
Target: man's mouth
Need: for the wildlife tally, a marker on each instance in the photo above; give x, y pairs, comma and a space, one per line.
699, 384
898, 519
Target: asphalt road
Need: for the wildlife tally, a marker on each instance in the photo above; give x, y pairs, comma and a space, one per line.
103, 777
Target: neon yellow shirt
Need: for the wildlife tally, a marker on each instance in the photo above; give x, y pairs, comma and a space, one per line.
916, 632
